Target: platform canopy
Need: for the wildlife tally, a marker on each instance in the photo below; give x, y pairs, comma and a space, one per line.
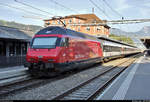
13, 33
146, 41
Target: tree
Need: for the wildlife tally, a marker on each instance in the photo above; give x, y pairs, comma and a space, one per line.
122, 38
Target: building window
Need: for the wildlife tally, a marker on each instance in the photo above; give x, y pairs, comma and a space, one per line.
53, 22
69, 27
48, 23
98, 35
78, 28
70, 21
79, 21
58, 22
74, 20
64, 21
87, 28
98, 28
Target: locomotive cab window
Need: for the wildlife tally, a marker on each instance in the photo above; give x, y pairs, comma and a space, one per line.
44, 42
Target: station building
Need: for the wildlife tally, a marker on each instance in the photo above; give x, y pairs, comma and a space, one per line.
85, 23
13, 46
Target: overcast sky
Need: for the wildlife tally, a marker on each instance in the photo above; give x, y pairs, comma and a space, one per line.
129, 9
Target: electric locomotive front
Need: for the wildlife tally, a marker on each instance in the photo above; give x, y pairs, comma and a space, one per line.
56, 49
45, 50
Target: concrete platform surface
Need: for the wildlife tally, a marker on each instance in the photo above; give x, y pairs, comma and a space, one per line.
132, 84
14, 68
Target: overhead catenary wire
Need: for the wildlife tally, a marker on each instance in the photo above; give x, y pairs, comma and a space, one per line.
100, 9
113, 9
109, 6
21, 9
33, 7
33, 17
117, 13
54, 1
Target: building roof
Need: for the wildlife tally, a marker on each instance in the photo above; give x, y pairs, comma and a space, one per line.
13, 33
90, 18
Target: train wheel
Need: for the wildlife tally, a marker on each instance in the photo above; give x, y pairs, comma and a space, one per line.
102, 61
76, 69
51, 73
105, 60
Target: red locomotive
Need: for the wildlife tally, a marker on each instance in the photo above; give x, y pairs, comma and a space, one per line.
57, 49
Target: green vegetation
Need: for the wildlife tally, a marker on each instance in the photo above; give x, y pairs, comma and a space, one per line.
122, 38
32, 28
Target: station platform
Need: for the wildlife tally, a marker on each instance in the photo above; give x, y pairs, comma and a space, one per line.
14, 68
132, 84
10, 73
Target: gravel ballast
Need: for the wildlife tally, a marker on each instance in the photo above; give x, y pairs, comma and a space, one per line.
47, 91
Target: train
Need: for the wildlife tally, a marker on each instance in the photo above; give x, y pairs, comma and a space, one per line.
57, 49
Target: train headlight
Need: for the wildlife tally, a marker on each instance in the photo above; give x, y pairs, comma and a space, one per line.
31, 59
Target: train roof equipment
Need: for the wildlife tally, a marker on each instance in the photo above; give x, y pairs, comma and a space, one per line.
69, 32
64, 31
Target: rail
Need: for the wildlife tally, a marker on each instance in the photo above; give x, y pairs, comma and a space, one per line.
89, 89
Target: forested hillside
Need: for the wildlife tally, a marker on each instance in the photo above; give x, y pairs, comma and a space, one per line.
121, 38
29, 29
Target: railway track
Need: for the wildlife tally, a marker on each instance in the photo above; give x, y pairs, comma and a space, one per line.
16, 80
22, 85
19, 82
89, 89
